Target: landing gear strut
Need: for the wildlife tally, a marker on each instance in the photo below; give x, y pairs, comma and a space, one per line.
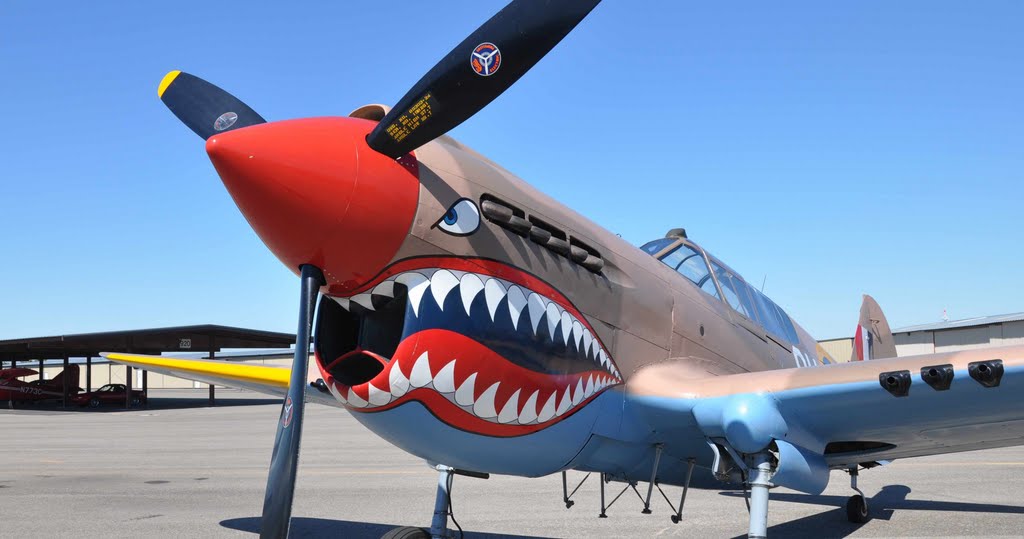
857, 506
443, 503
760, 467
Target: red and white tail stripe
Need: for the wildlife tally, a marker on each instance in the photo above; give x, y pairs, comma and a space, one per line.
862, 344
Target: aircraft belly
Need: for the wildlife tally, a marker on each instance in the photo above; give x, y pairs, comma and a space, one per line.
623, 443
414, 429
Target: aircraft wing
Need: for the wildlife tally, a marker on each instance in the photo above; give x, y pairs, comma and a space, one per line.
259, 378
838, 416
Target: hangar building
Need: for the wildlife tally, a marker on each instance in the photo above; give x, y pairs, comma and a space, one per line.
945, 336
954, 335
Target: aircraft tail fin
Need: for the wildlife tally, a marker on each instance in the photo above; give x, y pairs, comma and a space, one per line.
73, 377
873, 338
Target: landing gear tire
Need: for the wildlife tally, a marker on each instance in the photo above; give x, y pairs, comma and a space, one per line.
857, 510
407, 532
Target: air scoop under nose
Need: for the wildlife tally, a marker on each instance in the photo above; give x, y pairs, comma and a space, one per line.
316, 194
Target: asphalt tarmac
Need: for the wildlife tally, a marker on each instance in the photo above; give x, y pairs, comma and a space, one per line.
181, 470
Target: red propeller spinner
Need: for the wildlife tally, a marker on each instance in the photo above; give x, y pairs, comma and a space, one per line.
316, 194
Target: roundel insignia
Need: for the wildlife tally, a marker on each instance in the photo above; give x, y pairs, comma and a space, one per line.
286, 414
225, 121
486, 59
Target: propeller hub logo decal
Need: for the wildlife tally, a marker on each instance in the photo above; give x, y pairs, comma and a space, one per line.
286, 414
486, 59
225, 121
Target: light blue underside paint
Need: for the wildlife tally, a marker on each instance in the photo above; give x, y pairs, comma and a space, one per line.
967, 416
617, 431
413, 428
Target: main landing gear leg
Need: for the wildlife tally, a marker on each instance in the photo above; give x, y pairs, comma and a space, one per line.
760, 482
439, 525
857, 506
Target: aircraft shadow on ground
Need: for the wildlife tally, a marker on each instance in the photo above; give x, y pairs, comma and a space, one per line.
887, 501
322, 527
157, 403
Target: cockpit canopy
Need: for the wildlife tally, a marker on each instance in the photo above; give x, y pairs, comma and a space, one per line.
716, 279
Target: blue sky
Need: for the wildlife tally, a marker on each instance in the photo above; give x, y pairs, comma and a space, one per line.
838, 148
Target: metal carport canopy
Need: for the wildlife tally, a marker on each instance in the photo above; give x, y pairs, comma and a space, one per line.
208, 338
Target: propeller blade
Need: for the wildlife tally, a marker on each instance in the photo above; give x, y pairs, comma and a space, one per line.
477, 71
203, 107
284, 464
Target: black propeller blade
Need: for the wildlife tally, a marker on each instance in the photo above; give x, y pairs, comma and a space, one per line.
203, 107
284, 464
478, 70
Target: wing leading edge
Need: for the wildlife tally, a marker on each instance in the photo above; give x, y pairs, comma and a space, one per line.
259, 378
838, 416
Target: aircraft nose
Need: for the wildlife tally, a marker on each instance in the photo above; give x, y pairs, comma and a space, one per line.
315, 193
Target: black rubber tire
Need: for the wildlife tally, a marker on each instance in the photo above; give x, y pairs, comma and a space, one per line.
136, 402
94, 403
407, 532
857, 510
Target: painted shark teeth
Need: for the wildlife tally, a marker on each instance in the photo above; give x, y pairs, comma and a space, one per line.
355, 401
417, 284
529, 412
484, 404
441, 283
494, 292
536, 306
554, 317
577, 395
548, 411
518, 302
567, 325
364, 299
538, 317
379, 397
464, 395
399, 383
420, 375
337, 394
565, 403
386, 289
510, 412
469, 288
517, 408
444, 380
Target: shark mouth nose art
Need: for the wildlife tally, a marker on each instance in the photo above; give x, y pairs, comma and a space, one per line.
485, 347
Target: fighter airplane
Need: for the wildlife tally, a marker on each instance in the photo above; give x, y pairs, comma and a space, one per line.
475, 322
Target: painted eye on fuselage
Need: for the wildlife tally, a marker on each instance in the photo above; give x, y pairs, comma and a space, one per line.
461, 219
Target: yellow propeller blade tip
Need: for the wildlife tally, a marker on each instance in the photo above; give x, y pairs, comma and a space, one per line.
168, 79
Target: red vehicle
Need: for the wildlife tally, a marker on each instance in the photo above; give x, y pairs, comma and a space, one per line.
14, 390
108, 394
